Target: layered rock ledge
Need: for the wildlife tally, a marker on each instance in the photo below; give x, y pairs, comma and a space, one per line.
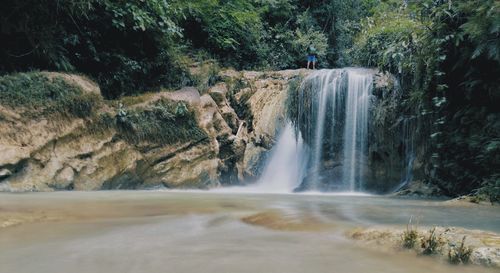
217, 136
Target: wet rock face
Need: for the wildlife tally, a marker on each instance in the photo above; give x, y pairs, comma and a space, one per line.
259, 102
325, 178
396, 148
50, 152
239, 116
393, 155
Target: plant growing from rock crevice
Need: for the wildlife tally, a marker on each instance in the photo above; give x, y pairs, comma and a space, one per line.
410, 235
461, 254
165, 122
432, 244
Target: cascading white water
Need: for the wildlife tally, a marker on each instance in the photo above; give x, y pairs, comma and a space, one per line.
285, 168
326, 148
327, 151
328, 84
284, 171
356, 128
408, 139
335, 116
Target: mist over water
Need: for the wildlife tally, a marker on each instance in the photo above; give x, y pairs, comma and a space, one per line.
187, 232
285, 169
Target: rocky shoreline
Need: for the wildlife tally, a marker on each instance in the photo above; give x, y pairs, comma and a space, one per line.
451, 244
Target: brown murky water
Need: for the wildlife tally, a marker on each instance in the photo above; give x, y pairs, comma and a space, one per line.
137, 231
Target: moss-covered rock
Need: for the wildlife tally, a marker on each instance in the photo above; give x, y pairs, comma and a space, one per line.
178, 139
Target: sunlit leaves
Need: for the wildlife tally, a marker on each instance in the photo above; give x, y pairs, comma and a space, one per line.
142, 15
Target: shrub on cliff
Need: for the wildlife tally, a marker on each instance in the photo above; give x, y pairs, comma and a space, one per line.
35, 93
166, 122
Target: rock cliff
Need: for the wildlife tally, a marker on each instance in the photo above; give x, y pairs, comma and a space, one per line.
179, 139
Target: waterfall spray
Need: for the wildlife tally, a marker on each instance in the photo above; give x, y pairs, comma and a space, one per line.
284, 171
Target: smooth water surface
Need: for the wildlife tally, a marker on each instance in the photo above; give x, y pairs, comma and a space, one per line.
137, 231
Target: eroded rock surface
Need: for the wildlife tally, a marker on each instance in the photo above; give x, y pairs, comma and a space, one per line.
484, 246
241, 117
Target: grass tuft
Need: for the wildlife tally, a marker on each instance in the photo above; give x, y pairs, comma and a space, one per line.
166, 122
432, 244
461, 254
410, 235
36, 94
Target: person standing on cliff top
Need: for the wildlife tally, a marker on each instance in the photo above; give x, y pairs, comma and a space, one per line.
311, 56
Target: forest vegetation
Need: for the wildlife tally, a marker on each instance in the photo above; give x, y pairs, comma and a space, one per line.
445, 53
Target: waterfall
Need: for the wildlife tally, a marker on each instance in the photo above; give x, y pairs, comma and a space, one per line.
356, 129
328, 150
408, 139
284, 170
326, 145
333, 118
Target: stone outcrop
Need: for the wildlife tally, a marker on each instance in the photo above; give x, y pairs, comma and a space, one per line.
255, 110
240, 116
397, 141
483, 247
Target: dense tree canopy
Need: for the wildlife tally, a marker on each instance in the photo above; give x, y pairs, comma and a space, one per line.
126, 45
130, 46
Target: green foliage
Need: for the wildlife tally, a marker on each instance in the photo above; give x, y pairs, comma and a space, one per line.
410, 235
314, 37
432, 244
36, 94
468, 128
141, 15
446, 54
259, 34
340, 20
389, 42
165, 123
231, 30
460, 254
127, 46
205, 75
132, 46
100, 124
